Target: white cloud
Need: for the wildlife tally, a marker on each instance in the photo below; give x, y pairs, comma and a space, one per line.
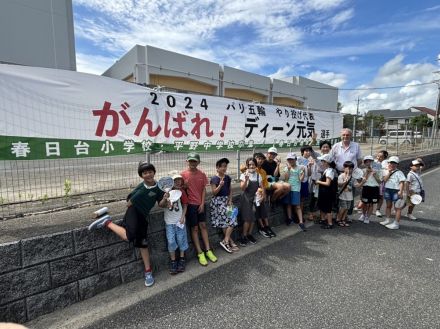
395, 73
93, 64
341, 17
324, 4
194, 27
376, 96
258, 35
282, 72
410, 88
330, 78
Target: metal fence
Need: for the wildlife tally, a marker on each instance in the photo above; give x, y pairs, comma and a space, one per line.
30, 187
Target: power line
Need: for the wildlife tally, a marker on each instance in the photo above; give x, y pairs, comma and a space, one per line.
378, 88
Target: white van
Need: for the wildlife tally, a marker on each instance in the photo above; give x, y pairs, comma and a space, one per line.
401, 137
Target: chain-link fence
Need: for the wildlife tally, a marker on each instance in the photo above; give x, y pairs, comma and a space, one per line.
29, 187
37, 186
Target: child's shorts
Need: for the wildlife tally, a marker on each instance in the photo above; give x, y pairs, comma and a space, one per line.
344, 204
193, 217
176, 237
370, 194
136, 226
292, 198
391, 194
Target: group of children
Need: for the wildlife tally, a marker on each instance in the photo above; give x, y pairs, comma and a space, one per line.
379, 179
303, 180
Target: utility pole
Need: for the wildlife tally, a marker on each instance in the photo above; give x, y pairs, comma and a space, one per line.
437, 112
354, 120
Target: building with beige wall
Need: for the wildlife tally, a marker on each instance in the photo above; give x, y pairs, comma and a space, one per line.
155, 67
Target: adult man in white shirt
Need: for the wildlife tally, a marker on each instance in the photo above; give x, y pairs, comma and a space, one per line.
346, 150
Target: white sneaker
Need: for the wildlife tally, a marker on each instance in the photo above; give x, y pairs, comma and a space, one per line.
361, 218
386, 221
378, 213
366, 220
393, 226
411, 216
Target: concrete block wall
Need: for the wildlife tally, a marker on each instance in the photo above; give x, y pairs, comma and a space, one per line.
41, 274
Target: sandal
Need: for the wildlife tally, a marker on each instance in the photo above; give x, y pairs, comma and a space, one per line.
327, 227
225, 246
233, 246
342, 223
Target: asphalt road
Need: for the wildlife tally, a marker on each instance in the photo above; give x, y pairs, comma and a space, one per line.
364, 276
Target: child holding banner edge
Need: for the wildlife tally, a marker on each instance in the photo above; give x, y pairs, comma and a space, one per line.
135, 225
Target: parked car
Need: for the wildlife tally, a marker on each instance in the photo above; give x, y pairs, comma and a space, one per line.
401, 137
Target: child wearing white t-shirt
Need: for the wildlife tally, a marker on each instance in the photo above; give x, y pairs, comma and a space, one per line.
414, 185
175, 227
394, 191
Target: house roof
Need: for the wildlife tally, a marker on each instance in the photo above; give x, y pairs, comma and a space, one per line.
424, 110
397, 114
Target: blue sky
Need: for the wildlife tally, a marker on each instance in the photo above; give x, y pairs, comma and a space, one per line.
345, 43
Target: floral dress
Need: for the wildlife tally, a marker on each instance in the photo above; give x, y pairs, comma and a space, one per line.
219, 204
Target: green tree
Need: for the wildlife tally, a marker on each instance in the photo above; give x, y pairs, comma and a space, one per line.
339, 108
347, 121
378, 120
420, 121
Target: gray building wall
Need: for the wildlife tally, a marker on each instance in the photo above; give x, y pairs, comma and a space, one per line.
37, 33
281, 88
319, 95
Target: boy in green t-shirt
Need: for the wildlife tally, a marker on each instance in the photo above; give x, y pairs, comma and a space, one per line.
135, 225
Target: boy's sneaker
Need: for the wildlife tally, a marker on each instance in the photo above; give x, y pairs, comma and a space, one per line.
181, 265
378, 213
243, 241
100, 222
264, 232
149, 280
366, 220
361, 218
202, 259
251, 239
411, 216
386, 221
393, 226
302, 227
225, 246
270, 231
173, 267
211, 256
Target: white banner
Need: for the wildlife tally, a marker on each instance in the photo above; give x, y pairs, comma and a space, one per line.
49, 113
